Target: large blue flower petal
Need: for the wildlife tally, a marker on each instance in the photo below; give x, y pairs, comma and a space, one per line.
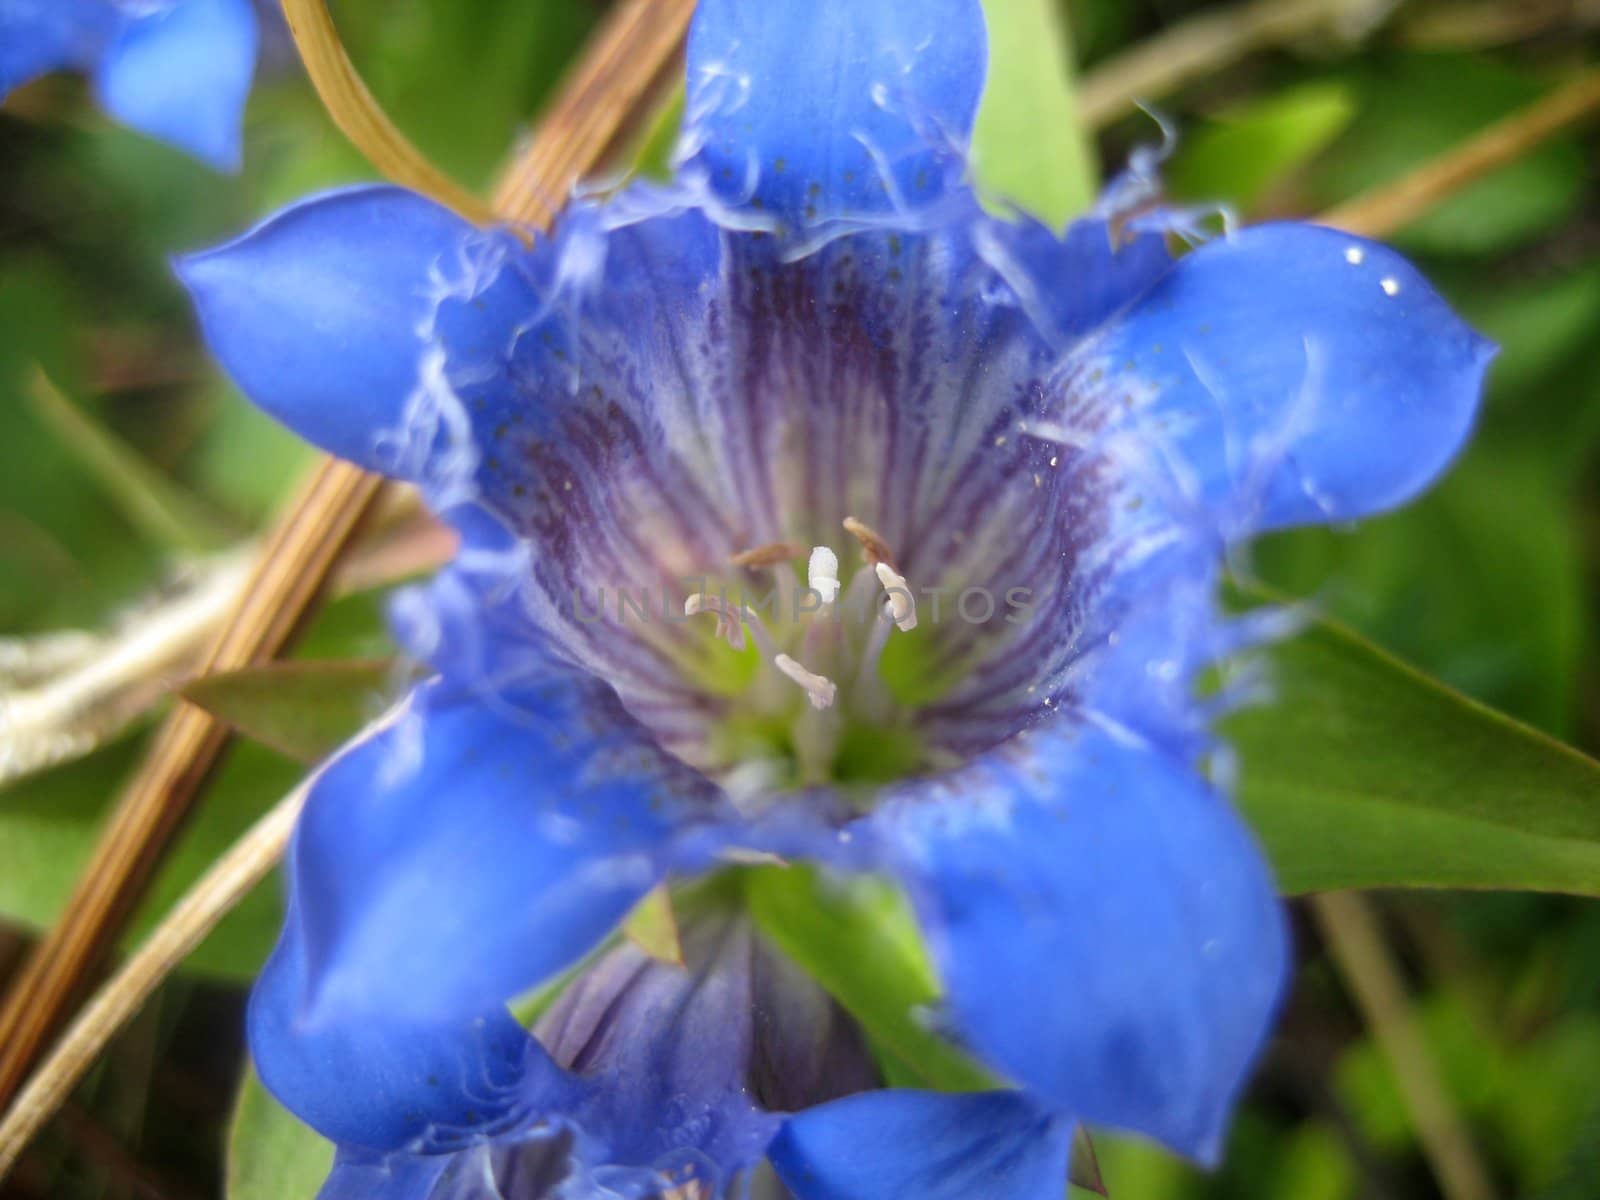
182, 74
838, 109
997, 1145
38, 36
383, 1080
1287, 374
319, 313
1107, 933
497, 833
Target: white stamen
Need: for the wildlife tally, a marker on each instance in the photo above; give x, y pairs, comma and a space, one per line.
1354, 255
902, 604
819, 689
822, 574
1390, 286
729, 627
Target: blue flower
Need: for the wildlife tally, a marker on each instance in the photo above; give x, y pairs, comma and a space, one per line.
679, 1068
178, 70
1011, 461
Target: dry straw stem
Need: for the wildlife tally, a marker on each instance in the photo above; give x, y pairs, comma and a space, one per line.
65, 694
609, 93
1355, 941
297, 558
283, 582
1209, 43
1390, 208
247, 863
360, 119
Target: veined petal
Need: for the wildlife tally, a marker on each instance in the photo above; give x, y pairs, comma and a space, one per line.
480, 842
1288, 374
840, 109
386, 1081
38, 36
1107, 934
319, 313
671, 1056
182, 74
933, 1146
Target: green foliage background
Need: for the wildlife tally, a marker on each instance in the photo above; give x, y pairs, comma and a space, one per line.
1362, 773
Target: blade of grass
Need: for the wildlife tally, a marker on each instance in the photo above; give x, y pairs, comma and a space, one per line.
1356, 943
153, 504
233, 875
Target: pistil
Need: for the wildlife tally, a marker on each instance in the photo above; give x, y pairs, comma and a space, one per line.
810, 642
819, 689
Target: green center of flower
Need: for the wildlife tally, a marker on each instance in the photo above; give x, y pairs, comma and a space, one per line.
820, 667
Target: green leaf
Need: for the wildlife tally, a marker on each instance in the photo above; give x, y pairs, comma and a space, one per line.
652, 926
1029, 146
272, 1155
654, 156
858, 939
302, 709
1362, 772
1480, 583
1243, 152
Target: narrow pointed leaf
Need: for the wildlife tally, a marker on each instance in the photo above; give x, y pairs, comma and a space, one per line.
1362, 772
858, 939
155, 505
302, 709
1246, 151
653, 927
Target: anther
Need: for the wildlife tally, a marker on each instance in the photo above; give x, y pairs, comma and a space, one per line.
819, 689
877, 550
769, 555
822, 574
902, 604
